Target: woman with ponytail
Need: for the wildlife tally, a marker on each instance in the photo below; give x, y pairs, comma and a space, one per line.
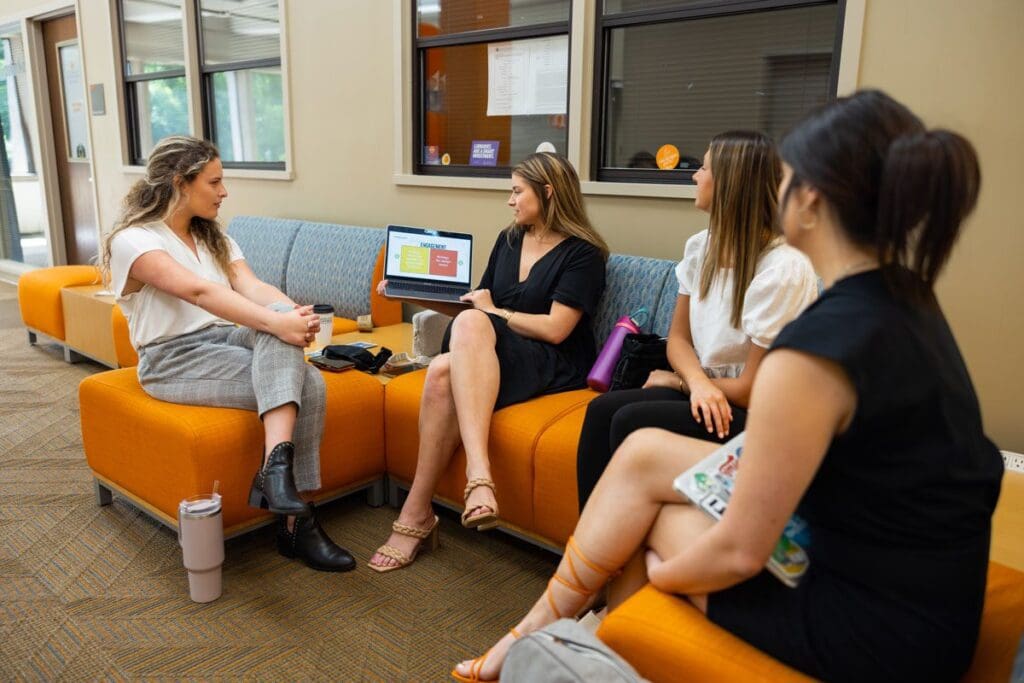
862, 419
184, 286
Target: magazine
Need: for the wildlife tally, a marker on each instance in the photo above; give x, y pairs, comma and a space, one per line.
709, 484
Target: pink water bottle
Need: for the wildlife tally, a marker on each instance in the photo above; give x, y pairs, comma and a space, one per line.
600, 377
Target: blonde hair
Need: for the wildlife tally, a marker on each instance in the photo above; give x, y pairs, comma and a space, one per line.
563, 211
174, 162
746, 172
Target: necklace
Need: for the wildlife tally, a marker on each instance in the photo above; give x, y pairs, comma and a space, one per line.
857, 267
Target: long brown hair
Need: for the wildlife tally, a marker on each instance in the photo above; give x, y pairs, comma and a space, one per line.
563, 211
174, 162
746, 172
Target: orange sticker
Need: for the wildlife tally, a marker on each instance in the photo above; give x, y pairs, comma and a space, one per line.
447, 159
667, 157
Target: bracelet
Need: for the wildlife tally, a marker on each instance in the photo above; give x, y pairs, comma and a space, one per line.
507, 313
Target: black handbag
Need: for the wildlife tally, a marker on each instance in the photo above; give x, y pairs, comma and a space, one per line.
641, 354
361, 358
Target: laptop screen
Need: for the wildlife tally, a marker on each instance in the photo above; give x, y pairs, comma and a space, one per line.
429, 255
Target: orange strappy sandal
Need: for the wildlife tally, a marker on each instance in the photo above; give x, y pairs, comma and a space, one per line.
575, 584
478, 665
484, 520
428, 536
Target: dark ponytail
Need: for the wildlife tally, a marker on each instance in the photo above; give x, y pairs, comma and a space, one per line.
894, 186
929, 185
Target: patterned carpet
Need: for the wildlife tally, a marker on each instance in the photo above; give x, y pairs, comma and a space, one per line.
92, 592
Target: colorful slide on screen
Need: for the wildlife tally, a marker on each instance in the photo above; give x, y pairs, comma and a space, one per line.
433, 257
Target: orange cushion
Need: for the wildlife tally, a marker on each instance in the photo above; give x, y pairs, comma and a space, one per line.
162, 452
513, 438
555, 494
39, 296
123, 349
383, 310
667, 639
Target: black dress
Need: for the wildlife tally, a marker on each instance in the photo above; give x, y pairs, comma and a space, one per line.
899, 511
571, 273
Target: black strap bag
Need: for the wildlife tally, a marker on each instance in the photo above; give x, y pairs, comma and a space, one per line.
641, 354
361, 358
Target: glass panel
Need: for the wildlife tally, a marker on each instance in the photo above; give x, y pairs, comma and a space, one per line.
240, 30
161, 109
22, 226
73, 95
152, 36
443, 17
619, 6
681, 83
249, 115
508, 120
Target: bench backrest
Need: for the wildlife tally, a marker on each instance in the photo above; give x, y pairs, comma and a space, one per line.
632, 282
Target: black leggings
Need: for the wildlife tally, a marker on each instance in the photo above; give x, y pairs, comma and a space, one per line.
615, 415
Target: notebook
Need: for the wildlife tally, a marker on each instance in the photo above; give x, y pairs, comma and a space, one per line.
709, 485
431, 265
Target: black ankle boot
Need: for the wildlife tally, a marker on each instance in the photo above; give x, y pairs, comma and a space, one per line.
310, 543
273, 487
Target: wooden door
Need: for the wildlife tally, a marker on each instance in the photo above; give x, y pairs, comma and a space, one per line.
68, 111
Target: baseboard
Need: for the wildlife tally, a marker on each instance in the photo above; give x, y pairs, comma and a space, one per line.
1013, 461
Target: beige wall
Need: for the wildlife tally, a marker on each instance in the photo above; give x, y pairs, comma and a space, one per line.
953, 62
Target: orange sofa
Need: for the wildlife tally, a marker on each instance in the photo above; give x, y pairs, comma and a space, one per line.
40, 301
155, 453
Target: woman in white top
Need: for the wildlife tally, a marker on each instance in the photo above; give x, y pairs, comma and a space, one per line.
184, 286
738, 286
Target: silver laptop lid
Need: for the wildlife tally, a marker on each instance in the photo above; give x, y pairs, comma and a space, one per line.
424, 255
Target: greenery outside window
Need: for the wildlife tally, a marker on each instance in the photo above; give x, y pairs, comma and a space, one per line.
670, 74
490, 84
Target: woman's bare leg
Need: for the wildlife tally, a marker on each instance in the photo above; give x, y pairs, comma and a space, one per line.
614, 525
439, 437
474, 380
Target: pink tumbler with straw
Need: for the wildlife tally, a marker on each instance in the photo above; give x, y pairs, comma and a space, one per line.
600, 377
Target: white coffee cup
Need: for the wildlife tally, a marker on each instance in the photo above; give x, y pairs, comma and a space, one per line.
201, 536
326, 313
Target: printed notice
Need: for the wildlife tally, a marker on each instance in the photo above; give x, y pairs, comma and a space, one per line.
528, 77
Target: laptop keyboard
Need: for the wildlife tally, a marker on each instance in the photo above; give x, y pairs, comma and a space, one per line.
426, 287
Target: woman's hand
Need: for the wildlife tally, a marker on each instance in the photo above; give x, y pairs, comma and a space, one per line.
297, 327
663, 378
481, 300
380, 287
710, 407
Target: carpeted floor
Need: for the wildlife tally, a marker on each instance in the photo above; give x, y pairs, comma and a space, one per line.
92, 592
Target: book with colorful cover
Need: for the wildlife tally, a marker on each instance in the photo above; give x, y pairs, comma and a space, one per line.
709, 485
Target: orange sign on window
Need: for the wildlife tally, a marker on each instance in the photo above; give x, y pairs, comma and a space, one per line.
667, 157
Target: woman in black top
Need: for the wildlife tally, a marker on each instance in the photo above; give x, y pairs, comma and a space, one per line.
862, 419
527, 333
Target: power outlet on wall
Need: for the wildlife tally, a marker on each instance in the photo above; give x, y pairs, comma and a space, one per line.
1013, 461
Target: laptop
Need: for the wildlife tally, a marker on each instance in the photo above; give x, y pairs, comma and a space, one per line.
431, 265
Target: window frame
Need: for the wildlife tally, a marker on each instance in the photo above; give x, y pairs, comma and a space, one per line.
490, 35
603, 25
129, 87
206, 75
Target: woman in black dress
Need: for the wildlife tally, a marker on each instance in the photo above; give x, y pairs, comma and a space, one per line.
862, 418
527, 333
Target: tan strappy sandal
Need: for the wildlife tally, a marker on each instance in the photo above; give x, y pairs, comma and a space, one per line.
478, 665
427, 536
484, 520
576, 584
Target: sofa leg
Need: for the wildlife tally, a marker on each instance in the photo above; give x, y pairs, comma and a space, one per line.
375, 494
104, 496
32, 338
394, 494
71, 356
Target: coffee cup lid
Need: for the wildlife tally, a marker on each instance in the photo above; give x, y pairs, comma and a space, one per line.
200, 506
323, 308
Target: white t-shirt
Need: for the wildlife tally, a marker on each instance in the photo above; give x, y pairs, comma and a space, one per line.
153, 315
784, 284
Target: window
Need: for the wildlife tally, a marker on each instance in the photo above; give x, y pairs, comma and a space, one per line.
670, 74
240, 95
156, 99
490, 84
240, 58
